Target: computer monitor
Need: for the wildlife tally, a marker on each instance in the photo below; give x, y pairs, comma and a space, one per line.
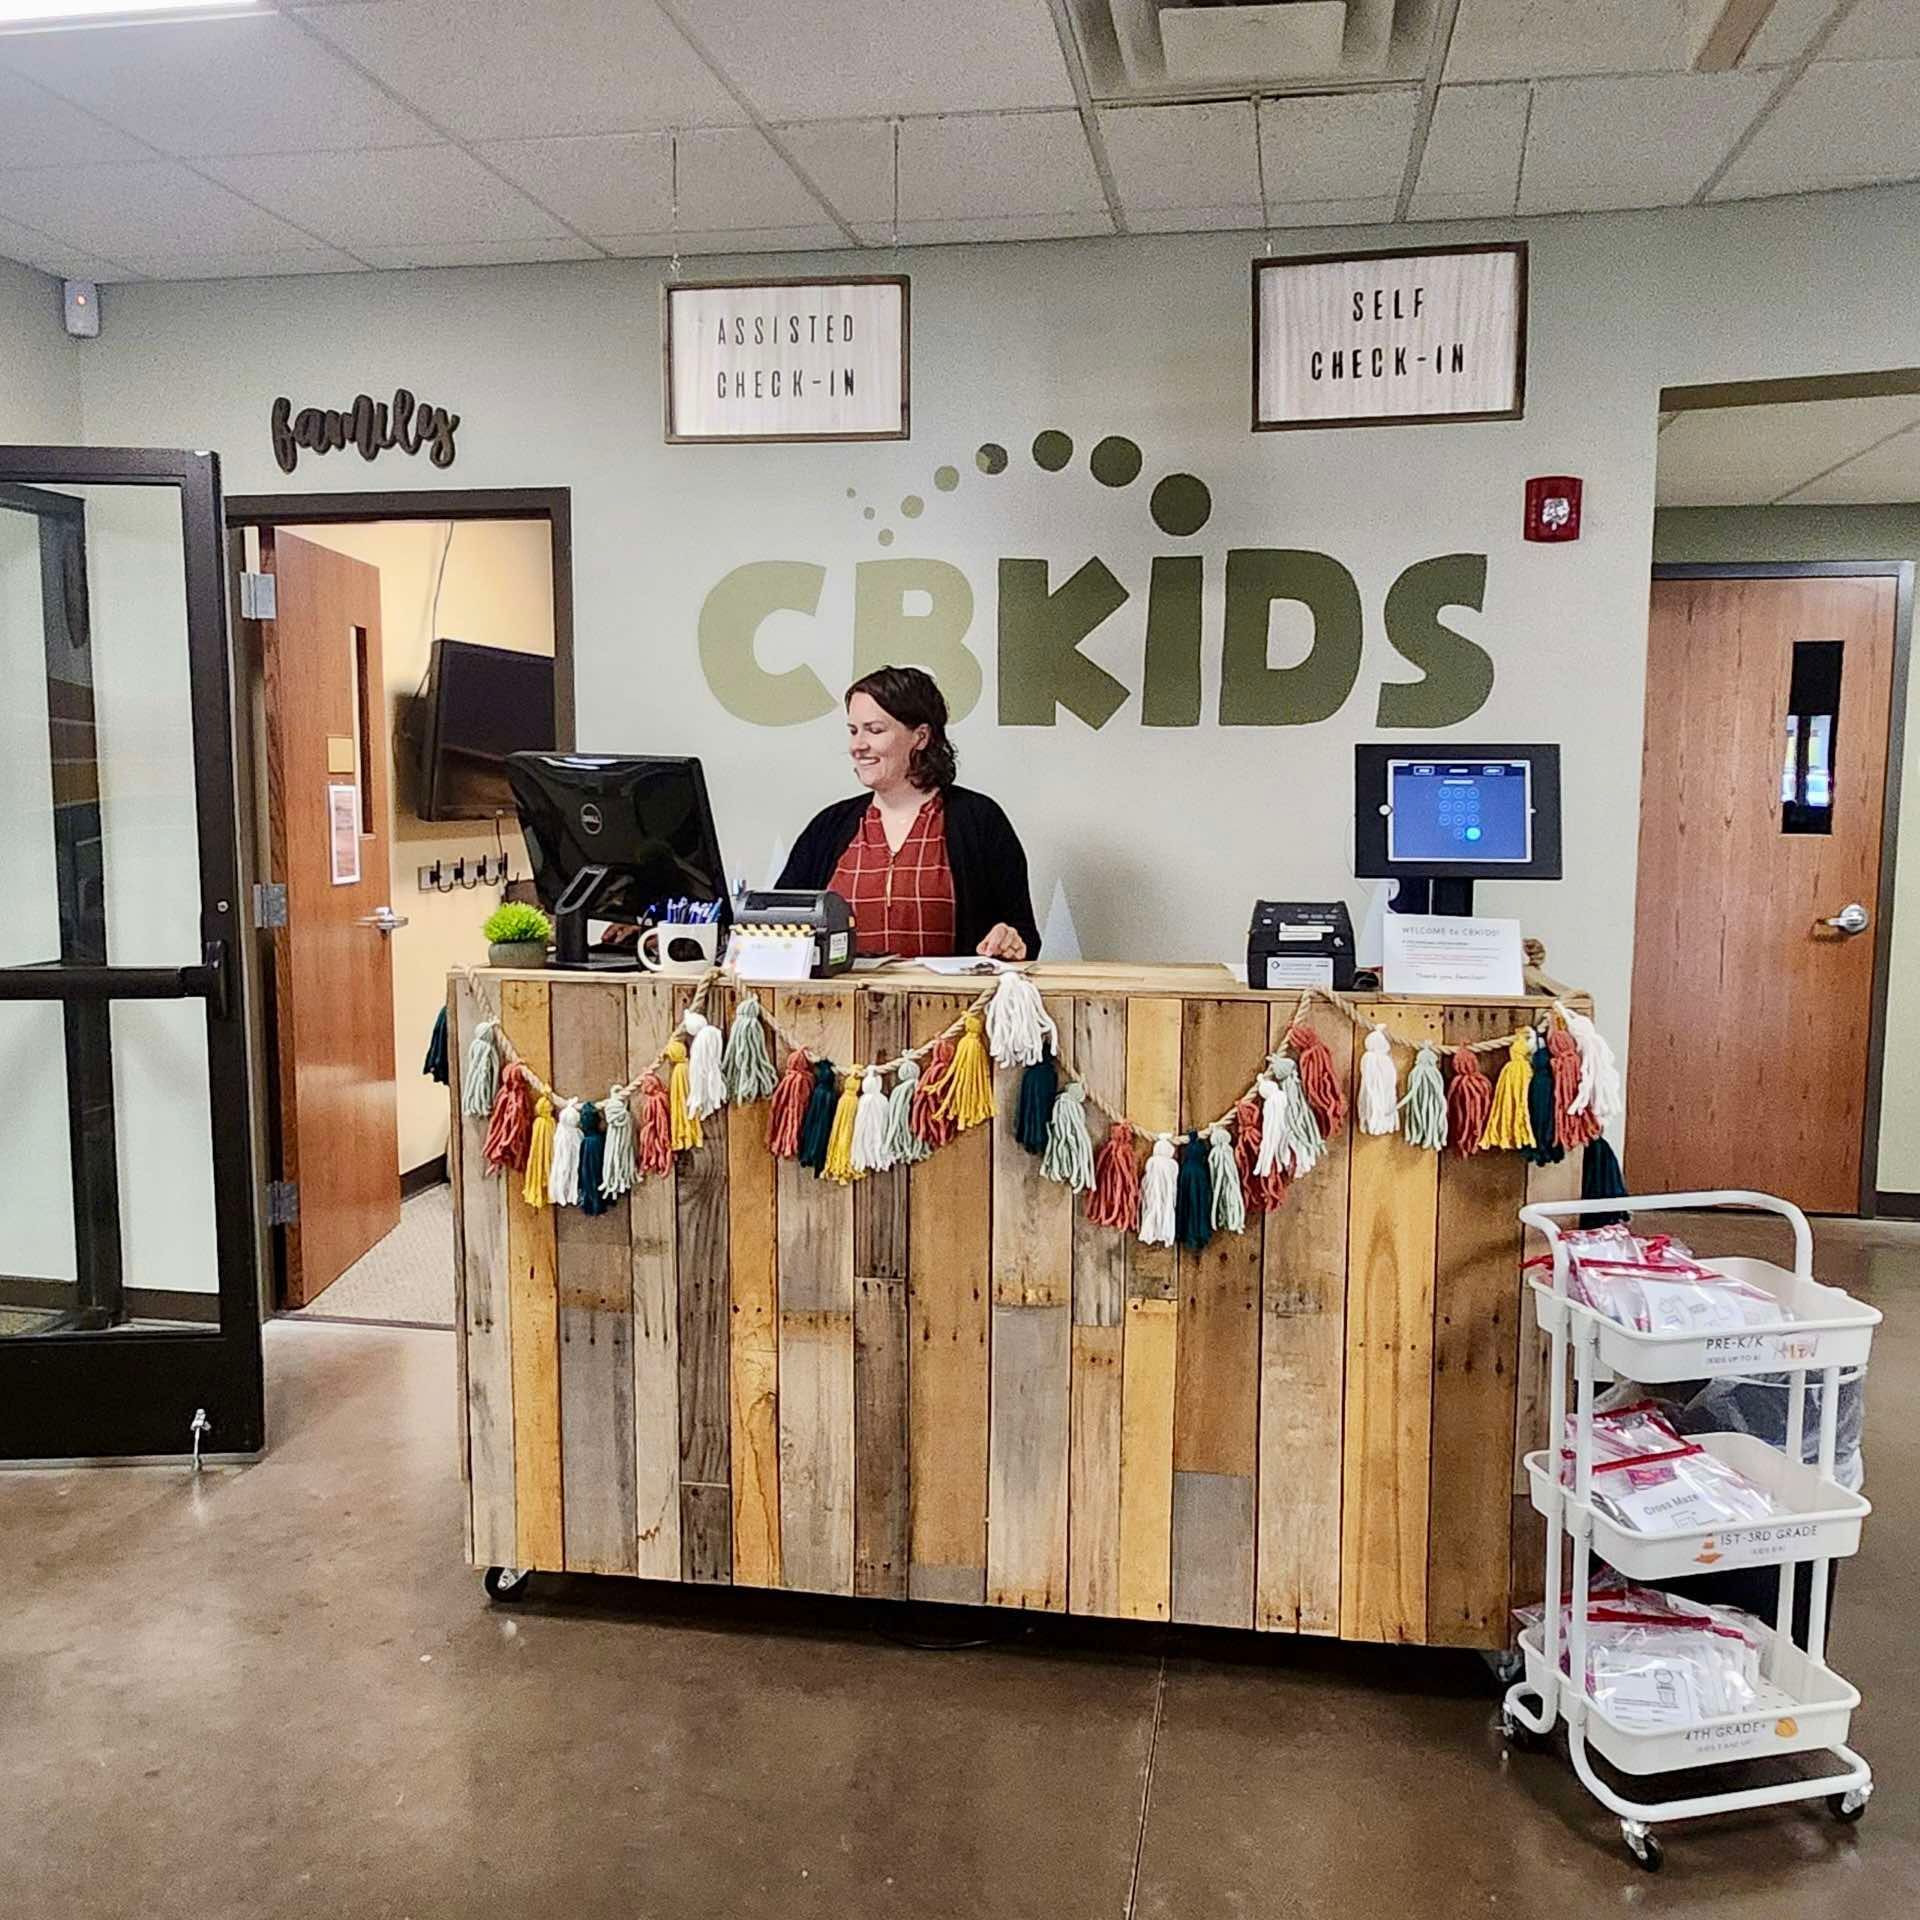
614, 837
1437, 822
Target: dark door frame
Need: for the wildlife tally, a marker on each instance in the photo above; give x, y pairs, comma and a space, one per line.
1901, 572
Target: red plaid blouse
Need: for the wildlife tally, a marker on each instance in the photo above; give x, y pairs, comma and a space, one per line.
902, 902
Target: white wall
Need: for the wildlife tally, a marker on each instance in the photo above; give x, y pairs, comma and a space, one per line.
39, 365
1161, 836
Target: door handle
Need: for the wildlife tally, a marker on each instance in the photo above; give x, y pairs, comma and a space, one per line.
55, 980
1851, 919
384, 919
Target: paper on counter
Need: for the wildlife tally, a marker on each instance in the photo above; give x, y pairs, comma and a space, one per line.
1443, 954
961, 963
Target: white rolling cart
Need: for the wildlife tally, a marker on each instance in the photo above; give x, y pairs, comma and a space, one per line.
1805, 1706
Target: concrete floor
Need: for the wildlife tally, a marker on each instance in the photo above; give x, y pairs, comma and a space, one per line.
277, 1691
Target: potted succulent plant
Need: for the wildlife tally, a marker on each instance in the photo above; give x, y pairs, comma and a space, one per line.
517, 935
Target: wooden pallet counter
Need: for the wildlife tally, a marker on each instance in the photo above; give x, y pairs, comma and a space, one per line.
942, 1382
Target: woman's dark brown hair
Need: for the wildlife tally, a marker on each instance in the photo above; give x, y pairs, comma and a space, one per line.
913, 697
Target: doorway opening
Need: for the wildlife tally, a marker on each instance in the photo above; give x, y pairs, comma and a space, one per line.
1776, 987
388, 660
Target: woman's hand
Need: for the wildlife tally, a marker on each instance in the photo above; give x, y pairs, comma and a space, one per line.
1003, 943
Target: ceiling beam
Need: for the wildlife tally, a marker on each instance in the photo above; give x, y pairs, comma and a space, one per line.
1729, 34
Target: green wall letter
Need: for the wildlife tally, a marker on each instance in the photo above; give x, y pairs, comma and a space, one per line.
1253, 694
1459, 672
885, 634
731, 618
1041, 666
1170, 688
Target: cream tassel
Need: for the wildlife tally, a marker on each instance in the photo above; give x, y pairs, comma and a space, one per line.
1423, 1113
872, 1126
616, 1167
1379, 1086
1069, 1154
563, 1177
1159, 1193
481, 1081
706, 1083
1301, 1146
1229, 1203
1018, 1024
1599, 1091
905, 1148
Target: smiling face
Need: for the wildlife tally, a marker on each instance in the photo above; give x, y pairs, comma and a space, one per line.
880, 746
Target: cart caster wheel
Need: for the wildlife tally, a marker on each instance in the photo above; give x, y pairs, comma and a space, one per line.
1516, 1733
1506, 1666
1643, 1844
507, 1583
1849, 1806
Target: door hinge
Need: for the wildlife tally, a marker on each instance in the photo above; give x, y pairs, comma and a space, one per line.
269, 903
283, 1202
259, 598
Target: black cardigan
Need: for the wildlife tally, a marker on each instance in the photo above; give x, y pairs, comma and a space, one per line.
989, 864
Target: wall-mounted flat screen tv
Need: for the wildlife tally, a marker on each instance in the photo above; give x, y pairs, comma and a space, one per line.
481, 704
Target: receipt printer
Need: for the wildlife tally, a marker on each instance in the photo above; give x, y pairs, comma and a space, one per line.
823, 918
1300, 943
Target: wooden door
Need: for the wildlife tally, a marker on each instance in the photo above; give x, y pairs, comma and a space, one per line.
1751, 1015
327, 772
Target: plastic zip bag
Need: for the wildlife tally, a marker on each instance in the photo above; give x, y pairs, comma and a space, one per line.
1655, 1285
1648, 1478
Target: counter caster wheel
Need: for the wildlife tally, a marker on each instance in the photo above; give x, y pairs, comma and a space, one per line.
507, 1583
1644, 1844
1849, 1806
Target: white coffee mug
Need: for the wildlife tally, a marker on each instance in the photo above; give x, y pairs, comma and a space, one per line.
679, 946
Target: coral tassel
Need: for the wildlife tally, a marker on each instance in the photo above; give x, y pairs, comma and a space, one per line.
1569, 1128
905, 1148
1507, 1123
1423, 1113
512, 1122
1325, 1095
481, 1080
539, 1154
656, 1127
1159, 1194
1379, 1085
838, 1165
593, 1151
617, 1165
747, 1064
966, 1095
872, 1136
1263, 1193
1115, 1200
931, 1122
789, 1110
686, 1123
1229, 1204
1069, 1153
1469, 1101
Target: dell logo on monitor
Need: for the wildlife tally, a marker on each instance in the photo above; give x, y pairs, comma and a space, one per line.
590, 821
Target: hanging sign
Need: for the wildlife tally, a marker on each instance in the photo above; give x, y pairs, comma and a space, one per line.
1379, 339
786, 360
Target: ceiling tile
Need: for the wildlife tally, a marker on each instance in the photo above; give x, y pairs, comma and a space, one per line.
1033, 226
884, 56
1784, 33
1877, 30
141, 207
1890, 471
1749, 456
1682, 127
1337, 213
502, 69
660, 246
850, 161
479, 253
253, 85
1522, 39
52, 256
1337, 146
241, 266
1472, 160
36, 130
1193, 219
996, 166
1201, 156
1845, 123
395, 197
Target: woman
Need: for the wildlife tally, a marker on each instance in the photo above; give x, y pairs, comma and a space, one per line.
927, 866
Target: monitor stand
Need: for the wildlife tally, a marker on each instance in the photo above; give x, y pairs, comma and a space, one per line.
570, 917
1453, 897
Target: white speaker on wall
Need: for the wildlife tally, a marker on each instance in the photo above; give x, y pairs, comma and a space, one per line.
83, 309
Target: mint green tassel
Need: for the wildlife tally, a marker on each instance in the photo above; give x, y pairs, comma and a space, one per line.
616, 1164
1300, 1143
481, 1081
1229, 1203
1423, 1108
747, 1066
905, 1148
1069, 1151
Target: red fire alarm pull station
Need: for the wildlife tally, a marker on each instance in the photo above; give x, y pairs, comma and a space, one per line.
1553, 507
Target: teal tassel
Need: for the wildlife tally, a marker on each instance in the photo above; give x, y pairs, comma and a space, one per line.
1069, 1154
903, 1144
434, 1066
816, 1129
593, 1170
1229, 1202
1423, 1108
616, 1167
1602, 1179
1546, 1151
1193, 1204
481, 1081
1032, 1117
747, 1064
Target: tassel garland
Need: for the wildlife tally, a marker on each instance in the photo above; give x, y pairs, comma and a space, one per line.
966, 1092
1599, 1092
563, 1173
1193, 1201
706, 1081
816, 1130
481, 1080
1033, 1116
1546, 1150
789, 1109
1423, 1113
533, 1189
839, 1166
1379, 1086
1507, 1123
1159, 1194
1115, 1199
1325, 1095
1469, 1101
656, 1127
1018, 1024
1069, 1150
616, 1164
1223, 1170
905, 1148
512, 1122
872, 1134
746, 1063
593, 1152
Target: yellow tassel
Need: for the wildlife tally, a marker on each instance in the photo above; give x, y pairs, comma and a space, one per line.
683, 1127
840, 1165
539, 1153
966, 1098
1507, 1121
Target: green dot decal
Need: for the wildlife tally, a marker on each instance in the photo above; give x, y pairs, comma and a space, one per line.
886, 536
1115, 462
853, 493
913, 506
866, 513
1181, 504
991, 458
1051, 450
946, 478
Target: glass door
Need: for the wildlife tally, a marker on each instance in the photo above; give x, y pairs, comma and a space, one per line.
129, 1245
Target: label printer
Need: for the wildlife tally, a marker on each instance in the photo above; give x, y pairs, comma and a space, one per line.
822, 919
1300, 943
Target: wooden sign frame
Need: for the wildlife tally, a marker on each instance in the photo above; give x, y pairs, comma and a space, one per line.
1518, 248
670, 288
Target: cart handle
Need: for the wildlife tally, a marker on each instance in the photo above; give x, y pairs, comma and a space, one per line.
1543, 1214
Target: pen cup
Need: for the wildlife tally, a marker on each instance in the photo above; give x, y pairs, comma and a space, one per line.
681, 947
